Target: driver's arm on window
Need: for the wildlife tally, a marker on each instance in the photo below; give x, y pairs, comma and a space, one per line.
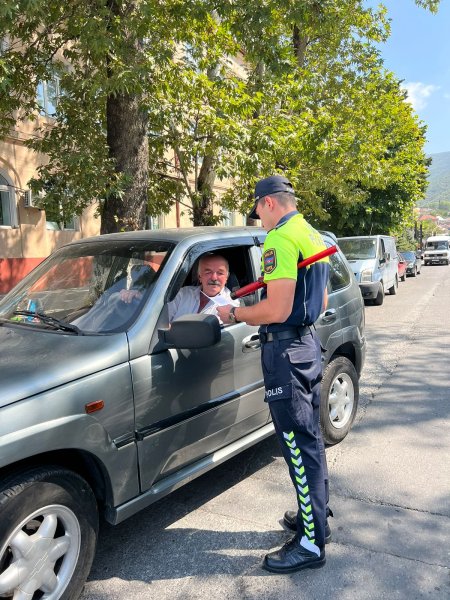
128, 296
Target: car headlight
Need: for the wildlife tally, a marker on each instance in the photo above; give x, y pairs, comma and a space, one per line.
366, 275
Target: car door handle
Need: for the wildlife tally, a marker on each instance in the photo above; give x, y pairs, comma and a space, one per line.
252, 342
329, 315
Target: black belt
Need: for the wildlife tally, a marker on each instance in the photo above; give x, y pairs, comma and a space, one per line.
286, 334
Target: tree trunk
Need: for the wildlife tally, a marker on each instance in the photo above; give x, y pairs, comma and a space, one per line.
300, 44
202, 210
128, 146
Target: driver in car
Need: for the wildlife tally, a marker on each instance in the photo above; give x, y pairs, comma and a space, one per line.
213, 273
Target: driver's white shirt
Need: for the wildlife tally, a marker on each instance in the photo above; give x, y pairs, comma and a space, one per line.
187, 301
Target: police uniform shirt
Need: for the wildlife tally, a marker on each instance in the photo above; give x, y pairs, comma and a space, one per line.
291, 241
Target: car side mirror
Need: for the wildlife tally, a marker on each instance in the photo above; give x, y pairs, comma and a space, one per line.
191, 332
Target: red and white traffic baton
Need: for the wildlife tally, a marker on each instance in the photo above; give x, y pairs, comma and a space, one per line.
259, 283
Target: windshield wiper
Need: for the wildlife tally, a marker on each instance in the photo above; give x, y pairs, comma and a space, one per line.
48, 320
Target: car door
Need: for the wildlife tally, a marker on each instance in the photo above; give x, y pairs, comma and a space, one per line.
191, 403
328, 324
340, 321
382, 261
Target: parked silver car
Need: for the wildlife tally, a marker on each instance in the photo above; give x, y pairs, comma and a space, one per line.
104, 409
374, 261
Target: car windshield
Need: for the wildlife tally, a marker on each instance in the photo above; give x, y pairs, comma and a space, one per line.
442, 245
409, 255
358, 249
80, 288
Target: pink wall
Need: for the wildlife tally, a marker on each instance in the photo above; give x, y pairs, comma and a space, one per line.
12, 270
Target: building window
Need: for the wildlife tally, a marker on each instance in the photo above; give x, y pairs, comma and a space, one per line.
57, 220
48, 93
227, 218
155, 222
7, 204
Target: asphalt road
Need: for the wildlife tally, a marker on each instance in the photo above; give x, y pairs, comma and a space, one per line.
390, 489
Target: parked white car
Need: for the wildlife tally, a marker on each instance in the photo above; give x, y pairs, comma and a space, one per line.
437, 251
374, 261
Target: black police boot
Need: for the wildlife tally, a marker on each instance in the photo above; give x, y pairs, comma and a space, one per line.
290, 520
292, 557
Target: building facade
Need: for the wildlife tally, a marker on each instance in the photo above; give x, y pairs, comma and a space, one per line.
28, 234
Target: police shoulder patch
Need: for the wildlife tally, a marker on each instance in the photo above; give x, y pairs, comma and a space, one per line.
270, 260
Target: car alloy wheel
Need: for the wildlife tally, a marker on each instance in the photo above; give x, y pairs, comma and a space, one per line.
44, 539
48, 535
339, 399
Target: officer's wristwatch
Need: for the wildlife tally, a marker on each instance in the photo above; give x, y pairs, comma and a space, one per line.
232, 316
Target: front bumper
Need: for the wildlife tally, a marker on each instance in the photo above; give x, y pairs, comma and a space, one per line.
436, 259
370, 289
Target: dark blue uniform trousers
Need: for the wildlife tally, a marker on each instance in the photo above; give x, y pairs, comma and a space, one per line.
292, 374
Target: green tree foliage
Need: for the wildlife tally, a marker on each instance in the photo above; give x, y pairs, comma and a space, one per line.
430, 227
110, 56
155, 111
335, 121
404, 240
400, 170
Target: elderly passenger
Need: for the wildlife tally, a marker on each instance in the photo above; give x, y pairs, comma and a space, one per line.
213, 272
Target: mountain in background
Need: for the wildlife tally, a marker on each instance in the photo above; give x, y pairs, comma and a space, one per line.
438, 191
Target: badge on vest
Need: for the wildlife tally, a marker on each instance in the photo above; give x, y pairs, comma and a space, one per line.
270, 260
278, 393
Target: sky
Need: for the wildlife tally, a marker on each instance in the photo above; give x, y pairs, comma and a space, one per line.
418, 52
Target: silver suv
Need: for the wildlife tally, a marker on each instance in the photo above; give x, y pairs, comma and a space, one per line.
104, 409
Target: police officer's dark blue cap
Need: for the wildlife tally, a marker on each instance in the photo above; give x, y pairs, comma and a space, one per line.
270, 185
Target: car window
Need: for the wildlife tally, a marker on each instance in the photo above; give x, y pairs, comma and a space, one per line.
81, 286
241, 271
440, 245
339, 274
358, 248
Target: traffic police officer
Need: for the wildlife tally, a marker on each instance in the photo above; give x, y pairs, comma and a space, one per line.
291, 363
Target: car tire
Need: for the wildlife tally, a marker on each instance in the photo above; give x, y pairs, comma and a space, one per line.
379, 299
48, 534
338, 399
393, 289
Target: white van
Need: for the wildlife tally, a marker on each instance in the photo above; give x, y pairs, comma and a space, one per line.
374, 261
437, 250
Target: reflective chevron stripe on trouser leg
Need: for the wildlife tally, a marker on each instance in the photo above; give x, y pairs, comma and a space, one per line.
308, 539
